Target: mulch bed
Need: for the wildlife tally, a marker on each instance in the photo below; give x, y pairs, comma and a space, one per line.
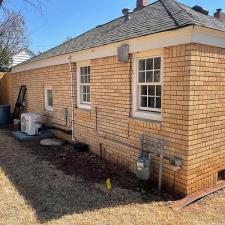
92, 169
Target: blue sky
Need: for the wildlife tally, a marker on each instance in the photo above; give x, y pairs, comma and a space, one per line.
68, 18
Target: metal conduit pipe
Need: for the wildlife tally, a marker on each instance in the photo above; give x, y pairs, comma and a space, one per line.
72, 96
161, 157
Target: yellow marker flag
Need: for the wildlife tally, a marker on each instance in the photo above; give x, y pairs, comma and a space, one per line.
108, 184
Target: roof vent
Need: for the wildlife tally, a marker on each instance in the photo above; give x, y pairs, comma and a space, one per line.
199, 9
126, 13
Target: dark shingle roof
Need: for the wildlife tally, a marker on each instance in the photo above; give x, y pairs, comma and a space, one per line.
159, 16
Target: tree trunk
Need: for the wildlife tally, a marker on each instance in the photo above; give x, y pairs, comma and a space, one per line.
1, 2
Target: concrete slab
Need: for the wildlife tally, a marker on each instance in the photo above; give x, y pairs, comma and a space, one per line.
24, 137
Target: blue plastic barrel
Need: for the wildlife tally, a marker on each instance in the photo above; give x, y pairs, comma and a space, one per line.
4, 114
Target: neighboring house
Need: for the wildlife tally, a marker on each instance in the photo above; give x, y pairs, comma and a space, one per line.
22, 56
172, 86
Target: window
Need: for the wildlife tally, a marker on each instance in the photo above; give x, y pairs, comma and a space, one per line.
84, 92
149, 84
48, 99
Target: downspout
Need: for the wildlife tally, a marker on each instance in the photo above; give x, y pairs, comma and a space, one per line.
72, 96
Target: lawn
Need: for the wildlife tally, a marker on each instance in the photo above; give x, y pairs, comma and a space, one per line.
37, 189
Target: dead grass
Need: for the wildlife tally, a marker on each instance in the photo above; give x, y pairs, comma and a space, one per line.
35, 192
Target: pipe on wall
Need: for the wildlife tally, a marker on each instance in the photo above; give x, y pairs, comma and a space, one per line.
72, 96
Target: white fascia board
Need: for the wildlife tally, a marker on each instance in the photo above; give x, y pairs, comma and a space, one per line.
159, 40
191, 34
208, 36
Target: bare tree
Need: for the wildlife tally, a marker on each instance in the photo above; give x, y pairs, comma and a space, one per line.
13, 36
34, 3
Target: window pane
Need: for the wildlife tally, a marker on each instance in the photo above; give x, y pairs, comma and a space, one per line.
88, 89
82, 79
84, 89
86, 70
82, 70
151, 102
144, 102
84, 97
144, 90
85, 78
157, 76
149, 76
142, 64
158, 103
158, 90
149, 64
157, 63
141, 77
88, 97
151, 90
50, 98
88, 79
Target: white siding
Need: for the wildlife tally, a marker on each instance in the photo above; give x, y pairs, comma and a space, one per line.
22, 57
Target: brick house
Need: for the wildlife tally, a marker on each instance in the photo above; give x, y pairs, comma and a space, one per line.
172, 86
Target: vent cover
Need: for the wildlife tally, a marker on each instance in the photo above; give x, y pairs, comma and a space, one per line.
199, 9
123, 53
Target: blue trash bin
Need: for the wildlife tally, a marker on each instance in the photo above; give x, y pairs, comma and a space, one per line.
4, 114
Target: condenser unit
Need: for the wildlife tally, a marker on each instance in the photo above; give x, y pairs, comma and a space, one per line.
30, 123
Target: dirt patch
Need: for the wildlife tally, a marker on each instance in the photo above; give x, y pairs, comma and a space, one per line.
37, 189
95, 170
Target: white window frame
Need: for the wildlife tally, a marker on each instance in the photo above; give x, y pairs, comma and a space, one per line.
80, 104
46, 89
137, 111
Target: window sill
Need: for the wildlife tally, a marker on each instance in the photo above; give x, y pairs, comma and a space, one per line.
49, 109
83, 110
84, 106
152, 116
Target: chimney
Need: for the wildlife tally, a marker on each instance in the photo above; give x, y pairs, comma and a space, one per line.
126, 13
141, 4
219, 14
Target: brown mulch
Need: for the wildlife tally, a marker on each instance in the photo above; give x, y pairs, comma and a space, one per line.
93, 169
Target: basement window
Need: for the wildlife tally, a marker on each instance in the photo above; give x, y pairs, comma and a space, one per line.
84, 89
221, 175
48, 98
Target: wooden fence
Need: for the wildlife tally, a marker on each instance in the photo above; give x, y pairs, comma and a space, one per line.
5, 89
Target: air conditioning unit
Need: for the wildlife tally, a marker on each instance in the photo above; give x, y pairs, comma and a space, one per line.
30, 123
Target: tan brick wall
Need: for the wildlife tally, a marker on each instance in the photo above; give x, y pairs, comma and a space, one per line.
56, 76
193, 105
207, 116
111, 94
